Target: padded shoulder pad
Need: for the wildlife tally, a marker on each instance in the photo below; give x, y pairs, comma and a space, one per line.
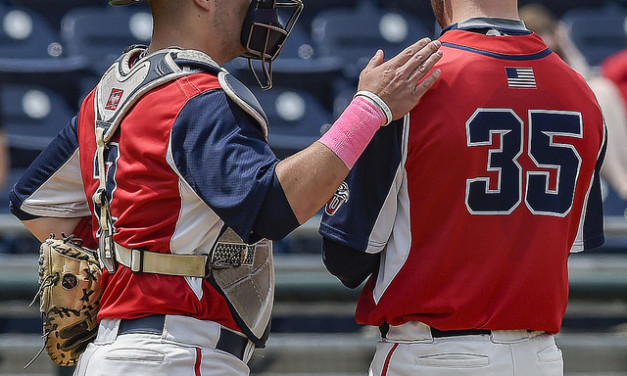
240, 94
123, 84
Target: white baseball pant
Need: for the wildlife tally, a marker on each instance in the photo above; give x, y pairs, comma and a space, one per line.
410, 349
176, 345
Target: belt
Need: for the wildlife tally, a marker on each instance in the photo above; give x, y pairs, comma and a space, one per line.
228, 341
436, 333
142, 261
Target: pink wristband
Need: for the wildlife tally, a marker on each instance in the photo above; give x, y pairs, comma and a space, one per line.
351, 133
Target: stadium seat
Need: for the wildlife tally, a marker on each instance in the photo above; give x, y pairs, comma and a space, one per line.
559, 7
420, 9
53, 10
598, 33
32, 116
102, 34
312, 8
354, 35
30, 51
25, 34
295, 117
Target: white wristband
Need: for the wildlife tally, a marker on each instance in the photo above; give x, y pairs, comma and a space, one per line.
379, 102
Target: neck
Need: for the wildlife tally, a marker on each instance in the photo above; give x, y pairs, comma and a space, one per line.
459, 10
194, 31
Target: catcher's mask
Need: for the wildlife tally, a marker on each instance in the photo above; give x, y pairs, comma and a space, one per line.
263, 35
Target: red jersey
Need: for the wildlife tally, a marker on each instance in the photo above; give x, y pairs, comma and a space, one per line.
480, 193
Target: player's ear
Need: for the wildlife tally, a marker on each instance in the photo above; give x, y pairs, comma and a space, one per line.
205, 4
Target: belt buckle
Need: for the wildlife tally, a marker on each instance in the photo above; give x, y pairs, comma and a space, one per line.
137, 260
230, 254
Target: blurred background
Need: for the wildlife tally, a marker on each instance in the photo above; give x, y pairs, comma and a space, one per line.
53, 51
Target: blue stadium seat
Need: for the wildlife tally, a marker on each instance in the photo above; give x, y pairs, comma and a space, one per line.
355, 34
312, 8
598, 33
32, 116
295, 116
30, 51
53, 10
102, 34
559, 7
28, 44
420, 9
25, 34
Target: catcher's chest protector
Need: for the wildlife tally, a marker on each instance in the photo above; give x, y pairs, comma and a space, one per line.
243, 274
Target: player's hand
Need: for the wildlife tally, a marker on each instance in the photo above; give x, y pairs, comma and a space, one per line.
396, 80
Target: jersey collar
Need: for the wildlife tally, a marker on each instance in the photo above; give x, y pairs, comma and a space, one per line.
490, 26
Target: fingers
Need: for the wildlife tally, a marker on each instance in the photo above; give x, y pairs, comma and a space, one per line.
376, 60
409, 52
427, 83
425, 66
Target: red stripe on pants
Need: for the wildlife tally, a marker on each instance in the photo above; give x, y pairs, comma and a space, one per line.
198, 361
384, 371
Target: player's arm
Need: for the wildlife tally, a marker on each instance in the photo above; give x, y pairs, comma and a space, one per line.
49, 197
349, 265
311, 176
42, 227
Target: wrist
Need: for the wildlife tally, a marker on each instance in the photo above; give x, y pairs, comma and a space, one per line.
353, 130
374, 98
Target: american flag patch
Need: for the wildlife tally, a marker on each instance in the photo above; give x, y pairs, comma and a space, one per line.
521, 78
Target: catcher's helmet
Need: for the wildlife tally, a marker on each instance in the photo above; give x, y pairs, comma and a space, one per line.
263, 35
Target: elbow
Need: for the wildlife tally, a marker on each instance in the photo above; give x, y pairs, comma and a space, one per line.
349, 265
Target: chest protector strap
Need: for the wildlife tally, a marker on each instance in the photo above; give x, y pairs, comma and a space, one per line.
242, 273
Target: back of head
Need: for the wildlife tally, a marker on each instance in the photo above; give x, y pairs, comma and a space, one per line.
538, 18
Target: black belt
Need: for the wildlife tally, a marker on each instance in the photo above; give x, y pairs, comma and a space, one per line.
228, 341
436, 333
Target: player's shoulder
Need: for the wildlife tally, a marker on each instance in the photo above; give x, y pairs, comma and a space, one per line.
230, 90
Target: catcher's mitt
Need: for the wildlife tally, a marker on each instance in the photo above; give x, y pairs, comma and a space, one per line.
69, 291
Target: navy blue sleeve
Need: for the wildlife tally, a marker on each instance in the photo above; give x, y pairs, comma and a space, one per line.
359, 219
593, 223
369, 182
52, 185
220, 151
336, 257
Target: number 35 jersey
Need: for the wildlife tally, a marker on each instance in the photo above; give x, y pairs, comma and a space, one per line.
477, 197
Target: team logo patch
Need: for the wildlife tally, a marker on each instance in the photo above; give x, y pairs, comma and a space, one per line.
339, 198
114, 99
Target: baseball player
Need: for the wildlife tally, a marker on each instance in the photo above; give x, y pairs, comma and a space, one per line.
167, 165
462, 215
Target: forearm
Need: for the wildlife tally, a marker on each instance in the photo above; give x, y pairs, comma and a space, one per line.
310, 177
42, 227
